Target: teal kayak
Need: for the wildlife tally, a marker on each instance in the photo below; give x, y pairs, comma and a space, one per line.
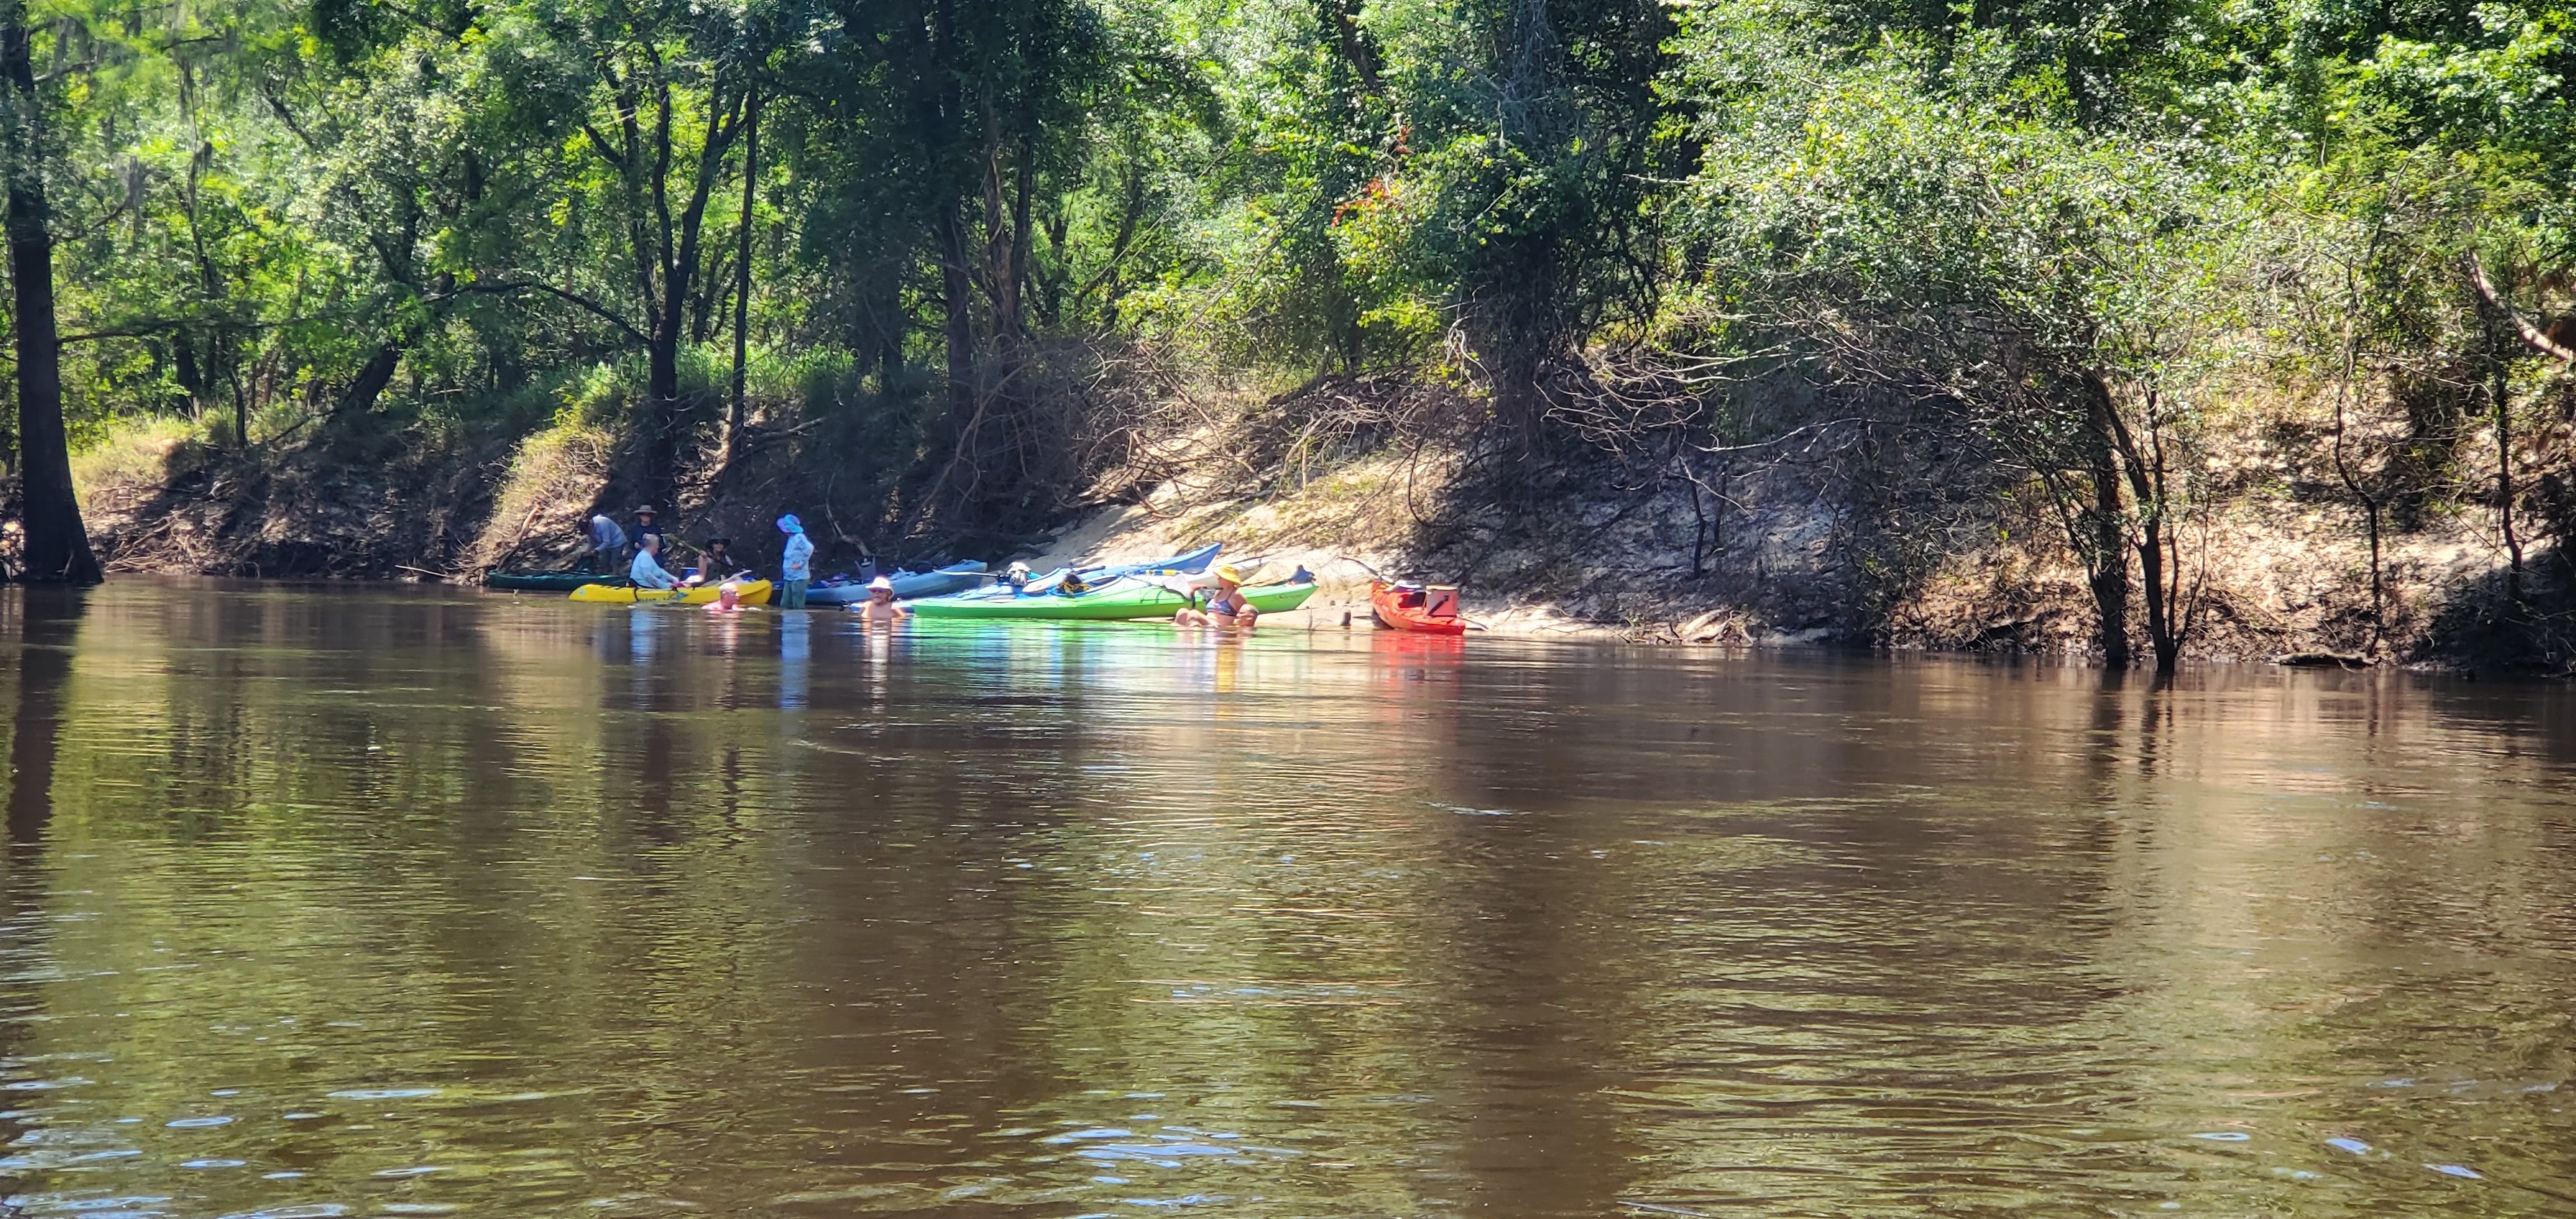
1116, 601
544, 581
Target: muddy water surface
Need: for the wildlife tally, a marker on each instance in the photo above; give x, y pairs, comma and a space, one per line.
331, 902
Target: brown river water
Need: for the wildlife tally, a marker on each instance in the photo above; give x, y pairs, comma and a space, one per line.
327, 902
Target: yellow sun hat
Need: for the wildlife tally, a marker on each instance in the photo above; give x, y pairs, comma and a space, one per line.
1230, 574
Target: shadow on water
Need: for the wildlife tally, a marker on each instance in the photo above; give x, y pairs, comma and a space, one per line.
49, 630
49, 620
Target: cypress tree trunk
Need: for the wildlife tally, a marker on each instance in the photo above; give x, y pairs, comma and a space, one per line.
662, 411
956, 288
2111, 568
57, 543
742, 280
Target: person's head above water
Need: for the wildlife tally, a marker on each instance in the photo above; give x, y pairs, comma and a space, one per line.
729, 595
881, 589
789, 524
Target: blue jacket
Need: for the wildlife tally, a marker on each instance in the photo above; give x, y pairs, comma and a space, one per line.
798, 563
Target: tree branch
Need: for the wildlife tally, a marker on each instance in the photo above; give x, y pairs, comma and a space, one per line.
2533, 336
134, 332
599, 144
603, 312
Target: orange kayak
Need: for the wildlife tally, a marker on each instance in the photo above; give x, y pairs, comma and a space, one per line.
1430, 609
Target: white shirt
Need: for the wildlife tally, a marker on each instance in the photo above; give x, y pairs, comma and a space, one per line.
648, 574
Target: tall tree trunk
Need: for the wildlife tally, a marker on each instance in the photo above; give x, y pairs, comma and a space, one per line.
2502, 395
183, 345
957, 288
373, 378
1358, 50
2161, 636
2352, 484
675, 255
662, 408
241, 409
742, 278
2159, 559
57, 543
2110, 577
1001, 280
1023, 230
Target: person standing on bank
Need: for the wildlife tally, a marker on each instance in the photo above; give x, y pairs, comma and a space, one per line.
607, 545
796, 566
645, 528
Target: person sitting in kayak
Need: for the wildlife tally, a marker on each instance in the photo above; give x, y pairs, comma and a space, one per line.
1072, 585
880, 608
716, 563
728, 599
1226, 604
647, 571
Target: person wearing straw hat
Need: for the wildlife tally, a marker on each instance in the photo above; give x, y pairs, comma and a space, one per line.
1226, 604
880, 609
796, 566
645, 528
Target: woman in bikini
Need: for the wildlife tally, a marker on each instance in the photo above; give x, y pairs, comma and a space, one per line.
1226, 604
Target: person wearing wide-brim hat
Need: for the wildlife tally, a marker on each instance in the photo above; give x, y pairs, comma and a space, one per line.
880, 609
645, 527
1226, 605
796, 565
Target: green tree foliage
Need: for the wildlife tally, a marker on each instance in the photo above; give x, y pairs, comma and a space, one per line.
2053, 225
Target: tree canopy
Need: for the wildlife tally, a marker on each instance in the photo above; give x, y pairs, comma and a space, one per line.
2054, 221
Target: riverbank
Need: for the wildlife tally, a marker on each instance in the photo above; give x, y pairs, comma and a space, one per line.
1776, 553
2282, 582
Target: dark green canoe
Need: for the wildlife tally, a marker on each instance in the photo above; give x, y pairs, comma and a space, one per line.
543, 581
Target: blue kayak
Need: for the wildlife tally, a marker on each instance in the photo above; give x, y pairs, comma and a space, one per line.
1189, 564
954, 578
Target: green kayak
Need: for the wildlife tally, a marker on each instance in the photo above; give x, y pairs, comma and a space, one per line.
543, 581
1118, 601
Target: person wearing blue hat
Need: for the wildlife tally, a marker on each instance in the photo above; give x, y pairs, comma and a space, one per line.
796, 567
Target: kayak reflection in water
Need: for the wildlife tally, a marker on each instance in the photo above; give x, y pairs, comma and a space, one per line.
1226, 605
880, 608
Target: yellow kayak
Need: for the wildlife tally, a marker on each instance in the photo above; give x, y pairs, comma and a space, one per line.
754, 592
